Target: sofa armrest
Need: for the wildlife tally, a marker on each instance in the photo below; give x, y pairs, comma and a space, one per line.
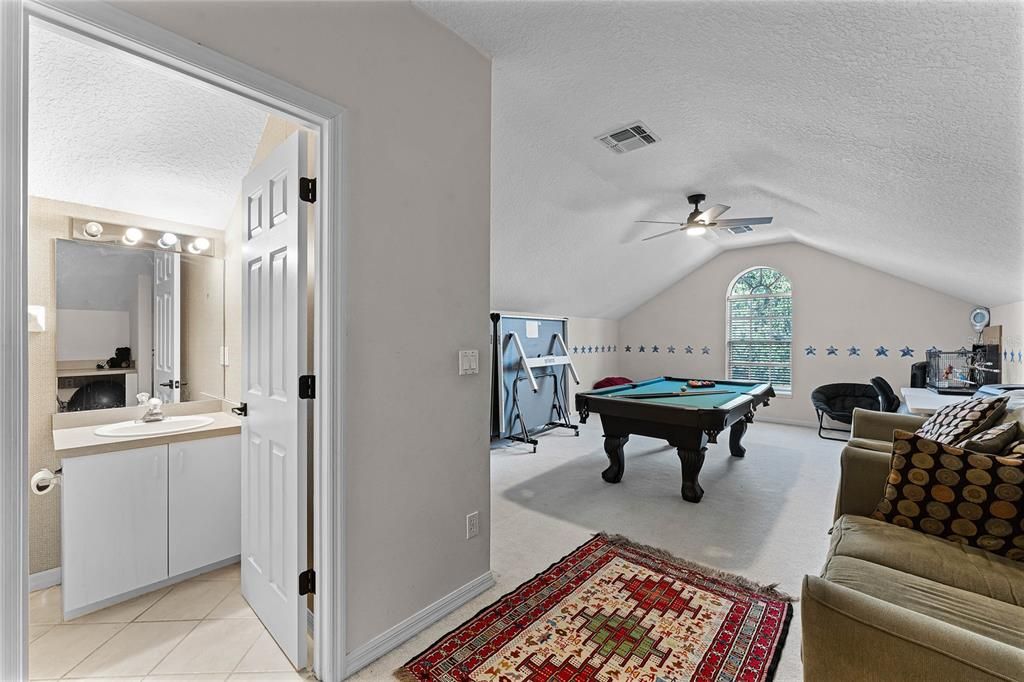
880, 425
862, 476
851, 636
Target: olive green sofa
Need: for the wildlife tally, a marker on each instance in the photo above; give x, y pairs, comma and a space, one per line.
897, 604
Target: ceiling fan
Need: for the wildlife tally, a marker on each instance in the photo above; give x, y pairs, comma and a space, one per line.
698, 222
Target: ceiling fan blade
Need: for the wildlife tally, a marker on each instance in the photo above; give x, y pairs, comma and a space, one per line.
736, 222
662, 222
709, 215
662, 234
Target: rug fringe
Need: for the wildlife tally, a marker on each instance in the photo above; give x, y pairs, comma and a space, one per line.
403, 674
768, 590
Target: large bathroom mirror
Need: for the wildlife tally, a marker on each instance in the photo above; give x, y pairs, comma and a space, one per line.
134, 320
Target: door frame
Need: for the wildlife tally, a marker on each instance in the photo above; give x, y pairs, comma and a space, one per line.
120, 30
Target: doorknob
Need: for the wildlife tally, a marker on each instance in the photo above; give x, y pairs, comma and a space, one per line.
242, 410
167, 384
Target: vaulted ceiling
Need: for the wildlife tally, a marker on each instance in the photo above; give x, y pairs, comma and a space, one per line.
886, 133
109, 130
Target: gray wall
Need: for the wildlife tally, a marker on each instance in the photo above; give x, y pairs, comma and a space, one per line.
417, 287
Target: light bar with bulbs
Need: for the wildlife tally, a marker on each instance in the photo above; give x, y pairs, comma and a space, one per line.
137, 237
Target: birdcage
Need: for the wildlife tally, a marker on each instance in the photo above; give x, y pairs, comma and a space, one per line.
954, 371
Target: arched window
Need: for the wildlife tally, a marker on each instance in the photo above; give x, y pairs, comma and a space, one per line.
760, 327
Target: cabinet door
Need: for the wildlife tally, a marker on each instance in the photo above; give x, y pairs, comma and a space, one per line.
114, 524
205, 502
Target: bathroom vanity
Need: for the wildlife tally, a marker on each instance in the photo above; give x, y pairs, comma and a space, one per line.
142, 511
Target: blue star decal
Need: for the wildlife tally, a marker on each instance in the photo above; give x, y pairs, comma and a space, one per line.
853, 350
933, 349
810, 350
1004, 356
671, 349
591, 349
705, 351
832, 350
602, 349
615, 348
654, 349
689, 349
575, 349
629, 349
906, 352
1020, 356
881, 352
641, 349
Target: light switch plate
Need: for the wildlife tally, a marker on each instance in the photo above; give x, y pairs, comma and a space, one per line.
469, 362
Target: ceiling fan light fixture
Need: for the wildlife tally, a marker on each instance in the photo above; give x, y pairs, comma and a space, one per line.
695, 230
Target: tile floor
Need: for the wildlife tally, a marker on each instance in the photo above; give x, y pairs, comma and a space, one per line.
200, 629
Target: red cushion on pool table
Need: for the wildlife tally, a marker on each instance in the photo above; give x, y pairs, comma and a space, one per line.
612, 381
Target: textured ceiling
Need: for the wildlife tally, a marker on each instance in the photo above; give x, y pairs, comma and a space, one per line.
110, 130
887, 133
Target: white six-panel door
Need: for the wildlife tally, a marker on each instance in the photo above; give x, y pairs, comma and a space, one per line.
274, 433
166, 328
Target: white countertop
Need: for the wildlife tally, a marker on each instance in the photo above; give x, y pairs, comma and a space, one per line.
925, 402
82, 440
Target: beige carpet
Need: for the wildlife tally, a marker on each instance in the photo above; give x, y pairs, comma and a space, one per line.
764, 517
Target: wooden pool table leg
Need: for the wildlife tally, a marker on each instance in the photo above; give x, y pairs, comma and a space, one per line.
613, 447
735, 436
692, 461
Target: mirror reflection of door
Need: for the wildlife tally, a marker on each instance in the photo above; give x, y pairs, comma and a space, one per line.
167, 327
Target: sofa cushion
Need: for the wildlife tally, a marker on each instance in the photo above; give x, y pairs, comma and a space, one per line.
965, 609
992, 440
925, 556
956, 494
869, 444
953, 423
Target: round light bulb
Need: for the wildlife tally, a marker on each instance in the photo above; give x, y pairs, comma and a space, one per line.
93, 229
168, 240
198, 245
132, 236
695, 231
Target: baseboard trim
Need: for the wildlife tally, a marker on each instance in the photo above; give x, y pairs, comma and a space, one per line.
363, 655
787, 422
44, 579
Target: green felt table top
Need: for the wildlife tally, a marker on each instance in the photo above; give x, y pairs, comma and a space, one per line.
692, 397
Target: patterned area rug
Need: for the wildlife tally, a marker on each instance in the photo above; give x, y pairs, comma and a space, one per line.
615, 611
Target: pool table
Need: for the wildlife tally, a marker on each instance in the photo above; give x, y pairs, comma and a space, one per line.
688, 419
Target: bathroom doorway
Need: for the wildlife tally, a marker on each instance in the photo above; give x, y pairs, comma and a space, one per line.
190, 314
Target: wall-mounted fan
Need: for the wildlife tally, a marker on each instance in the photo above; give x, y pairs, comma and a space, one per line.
699, 222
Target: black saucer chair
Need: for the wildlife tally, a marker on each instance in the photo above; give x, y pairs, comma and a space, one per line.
836, 401
888, 401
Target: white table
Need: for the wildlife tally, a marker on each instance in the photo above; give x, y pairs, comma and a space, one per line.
925, 402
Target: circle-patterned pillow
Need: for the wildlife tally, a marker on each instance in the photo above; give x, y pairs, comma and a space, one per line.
953, 423
955, 494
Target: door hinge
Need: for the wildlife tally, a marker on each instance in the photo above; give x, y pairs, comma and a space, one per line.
307, 386
307, 190
307, 582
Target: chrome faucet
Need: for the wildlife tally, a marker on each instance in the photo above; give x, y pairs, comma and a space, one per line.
153, 411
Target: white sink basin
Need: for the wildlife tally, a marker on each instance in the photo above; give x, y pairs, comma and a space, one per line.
168, 425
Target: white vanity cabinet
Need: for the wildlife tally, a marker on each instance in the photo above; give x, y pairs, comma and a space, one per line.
113, 525
204, 503
136, 519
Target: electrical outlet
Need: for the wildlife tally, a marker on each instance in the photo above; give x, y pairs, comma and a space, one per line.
469, 362
472, 525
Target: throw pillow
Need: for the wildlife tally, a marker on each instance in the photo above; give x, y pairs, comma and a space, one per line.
953, 423
1015, 450
991, 441
955, 494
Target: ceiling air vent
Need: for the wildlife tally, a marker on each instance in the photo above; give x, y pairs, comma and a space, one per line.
633, 136
740, 229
